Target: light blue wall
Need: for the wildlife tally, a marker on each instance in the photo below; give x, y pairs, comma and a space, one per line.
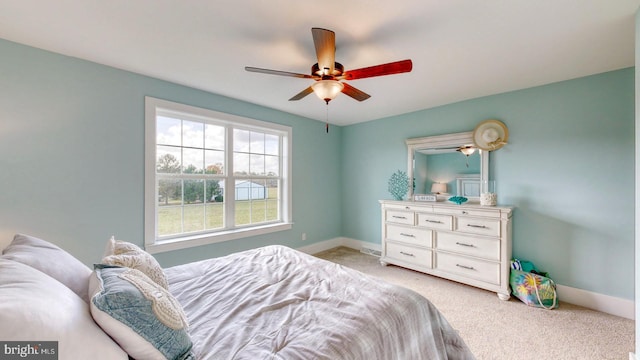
568, 169
72, 163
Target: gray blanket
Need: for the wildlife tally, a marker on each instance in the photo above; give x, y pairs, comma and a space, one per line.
277, 303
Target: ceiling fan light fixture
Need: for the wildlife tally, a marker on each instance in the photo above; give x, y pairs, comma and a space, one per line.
467, 150
327, 90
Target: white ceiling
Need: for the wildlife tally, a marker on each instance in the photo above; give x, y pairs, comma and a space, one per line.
461, 49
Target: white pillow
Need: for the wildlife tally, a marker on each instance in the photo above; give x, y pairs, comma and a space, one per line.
122, 253
51, 260
144, 318
36, 307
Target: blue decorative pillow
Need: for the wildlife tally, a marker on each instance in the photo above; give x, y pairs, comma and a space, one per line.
140, 315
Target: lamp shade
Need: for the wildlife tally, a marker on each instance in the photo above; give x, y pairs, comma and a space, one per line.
439, 188
327, 89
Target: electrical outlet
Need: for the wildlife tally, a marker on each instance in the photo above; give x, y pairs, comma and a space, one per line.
304, 236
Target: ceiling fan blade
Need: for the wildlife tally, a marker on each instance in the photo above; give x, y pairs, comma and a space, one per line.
302, 94
325, 43
354, 93
396, 67
278, 72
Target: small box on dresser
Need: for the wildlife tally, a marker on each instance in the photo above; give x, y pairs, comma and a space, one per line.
470, 244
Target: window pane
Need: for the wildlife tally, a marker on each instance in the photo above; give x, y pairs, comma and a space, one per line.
169, 207
257, 164
243, 205
272, 166
258, 190
214, 137
272, 189
193, 160
240, 140
169, 192
193, 191
193, 218
215, 215
214, 191
257, 143
243, 189
272, 210
167, 159
240, 164
193, 134
169, 220
271, 145
258, 211
214, 161
168, 131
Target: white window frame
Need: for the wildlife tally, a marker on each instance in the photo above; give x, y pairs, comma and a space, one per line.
153, 243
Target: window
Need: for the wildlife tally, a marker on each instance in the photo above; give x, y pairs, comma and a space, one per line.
211, 176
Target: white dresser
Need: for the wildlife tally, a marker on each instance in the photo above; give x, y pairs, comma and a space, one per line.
470, 244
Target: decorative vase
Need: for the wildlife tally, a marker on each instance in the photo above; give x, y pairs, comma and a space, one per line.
488, 197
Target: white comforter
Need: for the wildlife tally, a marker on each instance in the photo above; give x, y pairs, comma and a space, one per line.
278, 303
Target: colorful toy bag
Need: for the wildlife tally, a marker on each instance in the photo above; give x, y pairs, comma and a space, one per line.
533, 287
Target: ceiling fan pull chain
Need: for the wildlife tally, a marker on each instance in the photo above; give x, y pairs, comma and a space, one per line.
327, 125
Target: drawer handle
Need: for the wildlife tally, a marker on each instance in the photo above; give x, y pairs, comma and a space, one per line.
463, 244
407, 254
464, 212
435, 221
407, 235
477, 226
465, 267
399, 217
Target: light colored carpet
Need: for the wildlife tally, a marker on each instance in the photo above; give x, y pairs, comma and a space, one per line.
496, 329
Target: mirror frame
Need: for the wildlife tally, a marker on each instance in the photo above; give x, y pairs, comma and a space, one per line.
441, 141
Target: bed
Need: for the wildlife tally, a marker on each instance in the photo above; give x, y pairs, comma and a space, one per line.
267, 303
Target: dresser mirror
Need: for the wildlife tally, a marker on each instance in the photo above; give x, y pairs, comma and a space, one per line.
451, 162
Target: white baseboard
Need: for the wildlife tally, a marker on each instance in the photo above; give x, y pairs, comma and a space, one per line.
632, 356
321, 246
335, 242
599, 302
604, 303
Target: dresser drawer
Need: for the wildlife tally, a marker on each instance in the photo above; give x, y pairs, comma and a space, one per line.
410, 206
469, 212
472, 268
478, 226
433, 221
487, 248
400, 217
410, 235
418, 256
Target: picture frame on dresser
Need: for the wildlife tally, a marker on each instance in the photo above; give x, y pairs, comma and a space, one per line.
425, 197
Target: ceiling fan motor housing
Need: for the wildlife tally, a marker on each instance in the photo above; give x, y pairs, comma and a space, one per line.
338, 69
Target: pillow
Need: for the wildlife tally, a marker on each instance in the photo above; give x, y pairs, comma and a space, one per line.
143, 317
122, 253
51, 260
36, 307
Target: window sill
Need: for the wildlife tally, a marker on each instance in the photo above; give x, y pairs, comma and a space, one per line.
186, 242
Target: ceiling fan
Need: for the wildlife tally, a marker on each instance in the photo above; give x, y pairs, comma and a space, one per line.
328, 73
